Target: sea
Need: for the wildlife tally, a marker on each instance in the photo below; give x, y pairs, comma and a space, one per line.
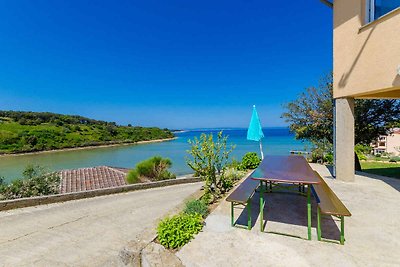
277, 141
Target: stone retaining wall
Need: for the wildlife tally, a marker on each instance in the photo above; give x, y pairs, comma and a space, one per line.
34, 201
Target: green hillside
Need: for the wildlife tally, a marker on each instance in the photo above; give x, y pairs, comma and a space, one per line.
39, 131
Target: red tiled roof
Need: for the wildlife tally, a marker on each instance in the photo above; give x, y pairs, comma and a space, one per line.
84, 179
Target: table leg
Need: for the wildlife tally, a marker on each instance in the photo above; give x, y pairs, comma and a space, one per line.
261, 206
309, 211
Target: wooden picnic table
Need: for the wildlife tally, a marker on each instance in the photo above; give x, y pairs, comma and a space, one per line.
292, 169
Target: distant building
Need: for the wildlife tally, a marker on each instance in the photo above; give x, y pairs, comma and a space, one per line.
388, 143
84, 179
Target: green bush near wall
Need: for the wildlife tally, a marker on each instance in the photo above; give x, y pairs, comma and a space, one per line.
178, 230
250, 161
154, 169
196, 206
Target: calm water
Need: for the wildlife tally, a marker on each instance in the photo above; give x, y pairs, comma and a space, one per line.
278, 141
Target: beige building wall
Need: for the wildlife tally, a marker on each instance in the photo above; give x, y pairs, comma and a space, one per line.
366, 56
393, 144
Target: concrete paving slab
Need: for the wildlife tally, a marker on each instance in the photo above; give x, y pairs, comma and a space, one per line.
372, 233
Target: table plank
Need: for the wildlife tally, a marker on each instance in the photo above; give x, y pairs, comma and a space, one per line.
285, 169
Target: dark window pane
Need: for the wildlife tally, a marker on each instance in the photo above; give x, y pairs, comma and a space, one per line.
385, 6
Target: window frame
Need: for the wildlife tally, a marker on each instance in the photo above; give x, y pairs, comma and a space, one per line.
370, 11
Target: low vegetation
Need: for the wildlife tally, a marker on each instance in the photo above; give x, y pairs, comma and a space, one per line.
36, 181
381, 168
153, 169
250, 161
39, 131
196, 206
209, 160
178, 230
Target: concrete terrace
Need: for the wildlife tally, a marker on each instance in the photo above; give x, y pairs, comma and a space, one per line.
372, 233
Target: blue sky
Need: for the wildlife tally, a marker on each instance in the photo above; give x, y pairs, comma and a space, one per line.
177, 64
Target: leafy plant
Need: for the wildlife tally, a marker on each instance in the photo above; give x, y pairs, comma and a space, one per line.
362, 151
234, 174
329, 158
234, 164
209, 160
196, 206
36, 182
250, 161
132, 177
178, 230
155, 169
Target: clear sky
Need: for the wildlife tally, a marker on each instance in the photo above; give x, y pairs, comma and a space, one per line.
176, 64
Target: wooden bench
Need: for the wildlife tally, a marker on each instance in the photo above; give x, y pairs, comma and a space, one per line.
242, 196
329, 204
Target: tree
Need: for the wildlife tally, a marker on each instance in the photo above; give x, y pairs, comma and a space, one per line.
311, 115
209, 160
374, 118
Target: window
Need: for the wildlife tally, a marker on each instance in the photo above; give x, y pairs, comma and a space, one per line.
378, 8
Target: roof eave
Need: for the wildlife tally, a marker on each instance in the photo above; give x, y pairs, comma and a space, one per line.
328, 3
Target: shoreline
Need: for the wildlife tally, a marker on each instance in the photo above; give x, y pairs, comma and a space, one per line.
88, 147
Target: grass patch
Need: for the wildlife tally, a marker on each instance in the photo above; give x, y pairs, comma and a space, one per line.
381, 168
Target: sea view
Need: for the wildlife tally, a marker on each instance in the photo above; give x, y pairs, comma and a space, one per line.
277, 141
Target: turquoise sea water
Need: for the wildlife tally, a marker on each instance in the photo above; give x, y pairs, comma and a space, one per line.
278, 141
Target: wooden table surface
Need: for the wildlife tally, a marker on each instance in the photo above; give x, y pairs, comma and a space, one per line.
285, 169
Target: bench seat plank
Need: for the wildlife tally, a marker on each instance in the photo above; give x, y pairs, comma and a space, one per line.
328, 202
244, 191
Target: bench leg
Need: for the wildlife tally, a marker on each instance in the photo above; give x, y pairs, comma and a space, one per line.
309, 211
319, 224
232, 216
249, 214
261, 206
342, 230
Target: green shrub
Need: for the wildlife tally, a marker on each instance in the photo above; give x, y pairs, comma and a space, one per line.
362, 151
250, 161
329, 158
155, 168
178, 230
132, 177
209, 160
235, 164
36, 182
378, 155
196, 206
394, 159
231, 176
234, 174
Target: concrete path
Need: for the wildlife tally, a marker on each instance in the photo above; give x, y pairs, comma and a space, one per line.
372, 233
86, 232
